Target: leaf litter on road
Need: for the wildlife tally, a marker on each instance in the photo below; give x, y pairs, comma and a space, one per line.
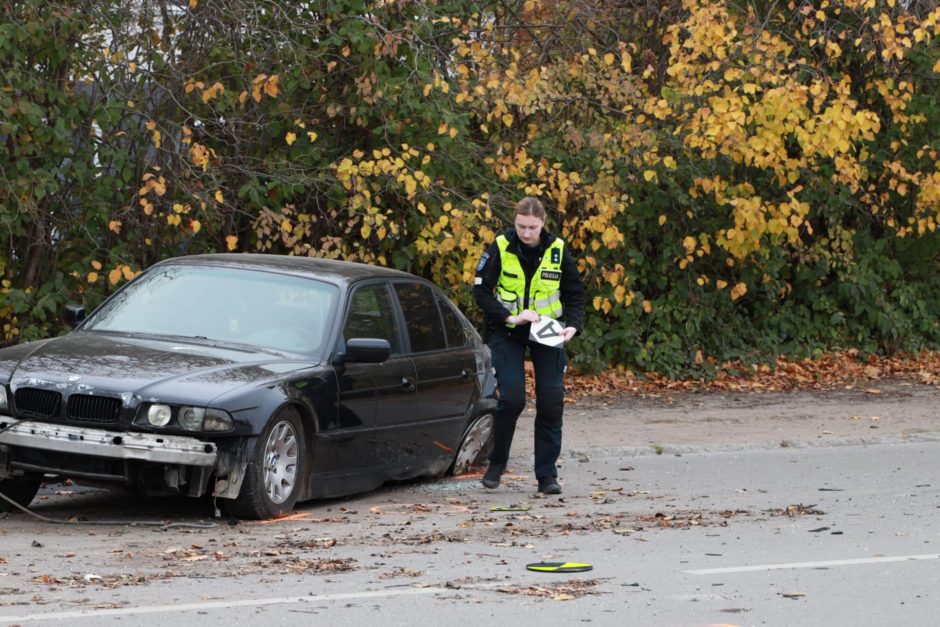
837, 370
796, 510
560, 591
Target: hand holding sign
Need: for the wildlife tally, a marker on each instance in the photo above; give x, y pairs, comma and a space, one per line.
547, 331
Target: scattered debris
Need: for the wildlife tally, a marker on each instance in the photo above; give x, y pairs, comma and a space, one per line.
401, 571
107, 581
797, 510
309, 543
420, 539
562, 591
420, 508
297, 565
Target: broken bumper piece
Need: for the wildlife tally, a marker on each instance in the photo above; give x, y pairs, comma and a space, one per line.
147, 447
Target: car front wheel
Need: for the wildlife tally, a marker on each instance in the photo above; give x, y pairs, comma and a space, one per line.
20, 490
274, 476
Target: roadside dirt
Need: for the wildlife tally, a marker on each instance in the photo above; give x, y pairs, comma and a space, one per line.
684, 421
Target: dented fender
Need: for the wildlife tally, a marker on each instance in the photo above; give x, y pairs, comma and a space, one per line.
230, 469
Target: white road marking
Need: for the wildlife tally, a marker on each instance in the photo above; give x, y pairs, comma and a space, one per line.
156, 609
821, 564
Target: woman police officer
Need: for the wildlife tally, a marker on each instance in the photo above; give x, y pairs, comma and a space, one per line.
525, 274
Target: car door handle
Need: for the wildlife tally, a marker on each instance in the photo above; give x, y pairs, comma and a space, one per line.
408, 384
465, 374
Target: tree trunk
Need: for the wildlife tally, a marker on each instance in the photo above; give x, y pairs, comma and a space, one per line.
36, 251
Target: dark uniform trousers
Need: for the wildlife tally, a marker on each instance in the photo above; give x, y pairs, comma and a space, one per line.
549, 363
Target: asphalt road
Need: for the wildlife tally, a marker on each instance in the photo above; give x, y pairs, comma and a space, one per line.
788, 535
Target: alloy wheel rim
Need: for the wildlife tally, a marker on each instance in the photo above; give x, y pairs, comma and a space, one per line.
280, 462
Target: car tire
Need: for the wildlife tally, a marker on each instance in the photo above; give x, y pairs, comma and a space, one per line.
275, 474
475, 445
19, 489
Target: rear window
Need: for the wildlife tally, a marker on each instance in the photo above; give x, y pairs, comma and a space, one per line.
422, 319
454, 327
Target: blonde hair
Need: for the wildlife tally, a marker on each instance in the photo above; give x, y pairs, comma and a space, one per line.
530, 206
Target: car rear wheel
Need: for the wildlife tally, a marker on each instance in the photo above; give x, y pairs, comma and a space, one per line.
475, 446
21, 490
274, 476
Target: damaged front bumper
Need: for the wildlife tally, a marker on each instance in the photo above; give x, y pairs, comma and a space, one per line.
147, 447
186, 460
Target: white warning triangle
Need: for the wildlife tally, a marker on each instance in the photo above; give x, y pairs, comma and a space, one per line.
546, 331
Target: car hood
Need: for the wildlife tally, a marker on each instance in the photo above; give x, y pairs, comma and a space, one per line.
146, 367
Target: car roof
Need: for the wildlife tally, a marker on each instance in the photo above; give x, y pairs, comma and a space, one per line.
331, 270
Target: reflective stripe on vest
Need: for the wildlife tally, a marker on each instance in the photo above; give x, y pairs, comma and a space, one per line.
545, 288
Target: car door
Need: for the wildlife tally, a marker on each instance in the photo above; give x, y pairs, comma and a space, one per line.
364, 388
446, 371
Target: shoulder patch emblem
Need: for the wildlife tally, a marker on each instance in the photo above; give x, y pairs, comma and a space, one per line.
483, 260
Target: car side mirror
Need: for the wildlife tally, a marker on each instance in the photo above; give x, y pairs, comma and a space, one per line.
368, 350
74, 314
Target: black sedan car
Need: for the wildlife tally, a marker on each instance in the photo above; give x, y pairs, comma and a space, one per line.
260, 380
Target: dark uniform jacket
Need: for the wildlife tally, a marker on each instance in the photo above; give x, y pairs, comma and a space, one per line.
487, 278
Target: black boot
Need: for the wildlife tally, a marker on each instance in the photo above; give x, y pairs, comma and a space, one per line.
492, 476
549, 485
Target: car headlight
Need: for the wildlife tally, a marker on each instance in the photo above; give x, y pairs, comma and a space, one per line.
159, 415
184, 417
191, 417
217, 420
3, 398
199, 419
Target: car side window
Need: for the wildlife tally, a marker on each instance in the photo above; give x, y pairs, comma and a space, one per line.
453, 327
421, 317
371, 315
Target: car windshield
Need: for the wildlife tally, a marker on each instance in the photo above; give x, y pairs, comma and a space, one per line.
223, 304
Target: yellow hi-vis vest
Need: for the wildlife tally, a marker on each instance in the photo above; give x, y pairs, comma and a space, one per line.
544, 295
